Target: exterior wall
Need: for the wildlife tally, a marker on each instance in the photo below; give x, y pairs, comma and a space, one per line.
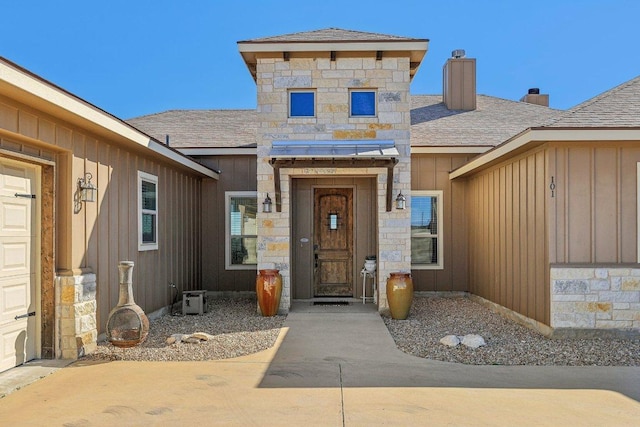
90, 238
593, 214
238, 173
431, 172
595, 297
332, 80
508, 248
178, 258
593, 236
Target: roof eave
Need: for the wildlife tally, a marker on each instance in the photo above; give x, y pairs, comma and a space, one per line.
30, 87
417, 49
533, 137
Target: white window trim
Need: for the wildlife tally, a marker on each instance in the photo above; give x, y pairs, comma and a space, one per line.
227, 230
143, 176
315, 103
439, 195
375, 103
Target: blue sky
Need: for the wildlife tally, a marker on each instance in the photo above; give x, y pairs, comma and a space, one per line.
138, 57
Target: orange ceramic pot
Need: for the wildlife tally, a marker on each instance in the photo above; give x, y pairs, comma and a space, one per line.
269, 290
399, 295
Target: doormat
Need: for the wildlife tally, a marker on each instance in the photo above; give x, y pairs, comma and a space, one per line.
331, 303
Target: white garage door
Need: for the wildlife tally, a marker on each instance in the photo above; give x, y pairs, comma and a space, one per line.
17, 267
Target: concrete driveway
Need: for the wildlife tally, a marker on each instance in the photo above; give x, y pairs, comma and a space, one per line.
331, 368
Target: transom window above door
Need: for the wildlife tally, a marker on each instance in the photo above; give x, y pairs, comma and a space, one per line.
302, 103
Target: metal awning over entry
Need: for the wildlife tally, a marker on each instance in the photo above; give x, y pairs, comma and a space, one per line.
338, 154
351, 149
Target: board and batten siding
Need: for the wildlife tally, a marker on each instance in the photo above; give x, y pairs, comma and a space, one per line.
111, 234
508, 247
593, 215
96, 236
431, 172
238, 173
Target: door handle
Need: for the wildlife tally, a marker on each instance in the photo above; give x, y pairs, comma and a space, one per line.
22, 316
315, 260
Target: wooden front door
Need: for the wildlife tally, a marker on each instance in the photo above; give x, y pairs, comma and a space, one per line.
333, 242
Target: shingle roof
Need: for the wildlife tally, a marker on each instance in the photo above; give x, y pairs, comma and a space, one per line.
494, 121
201, 128
330, 35
618, 107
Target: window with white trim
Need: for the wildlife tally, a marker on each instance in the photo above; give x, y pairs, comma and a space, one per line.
362, 103
426, 230
241, 230
147, 211
302, 103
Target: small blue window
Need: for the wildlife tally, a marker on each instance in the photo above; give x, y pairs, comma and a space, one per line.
302, 104
363, 103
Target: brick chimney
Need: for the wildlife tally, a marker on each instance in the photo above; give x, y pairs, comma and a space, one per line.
459, 82
533, 97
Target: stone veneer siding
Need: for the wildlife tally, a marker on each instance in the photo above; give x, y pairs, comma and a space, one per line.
595, 298
331, 81
76, 315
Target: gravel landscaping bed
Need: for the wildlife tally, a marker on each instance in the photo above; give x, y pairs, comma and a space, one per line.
236, 327
238, 330
508, 343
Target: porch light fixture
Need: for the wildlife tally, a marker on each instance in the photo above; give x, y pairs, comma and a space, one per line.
401, 201
88, 191
266, 205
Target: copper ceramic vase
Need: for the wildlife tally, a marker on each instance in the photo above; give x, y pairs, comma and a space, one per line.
399, 294
269, 290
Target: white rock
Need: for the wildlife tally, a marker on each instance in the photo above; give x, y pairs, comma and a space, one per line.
201, 336
176, 338
473, 341
450, 341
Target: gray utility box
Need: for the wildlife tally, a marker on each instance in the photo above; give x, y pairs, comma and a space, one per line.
194, 302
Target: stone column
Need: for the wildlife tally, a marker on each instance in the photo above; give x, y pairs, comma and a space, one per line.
77, 333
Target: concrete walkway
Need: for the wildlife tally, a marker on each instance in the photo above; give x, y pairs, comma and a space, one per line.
331, 366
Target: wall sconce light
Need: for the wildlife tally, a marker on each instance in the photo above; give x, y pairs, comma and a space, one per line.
88, 191
401, 201
266, 205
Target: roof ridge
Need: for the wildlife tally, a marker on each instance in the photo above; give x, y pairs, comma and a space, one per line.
499, 99
191, 110
528, 104
304, 34
593, 100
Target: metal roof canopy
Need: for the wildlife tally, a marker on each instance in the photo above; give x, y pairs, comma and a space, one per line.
340, 154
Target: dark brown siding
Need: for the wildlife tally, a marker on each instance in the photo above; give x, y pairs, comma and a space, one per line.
238, 173
431, 172
508, 250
